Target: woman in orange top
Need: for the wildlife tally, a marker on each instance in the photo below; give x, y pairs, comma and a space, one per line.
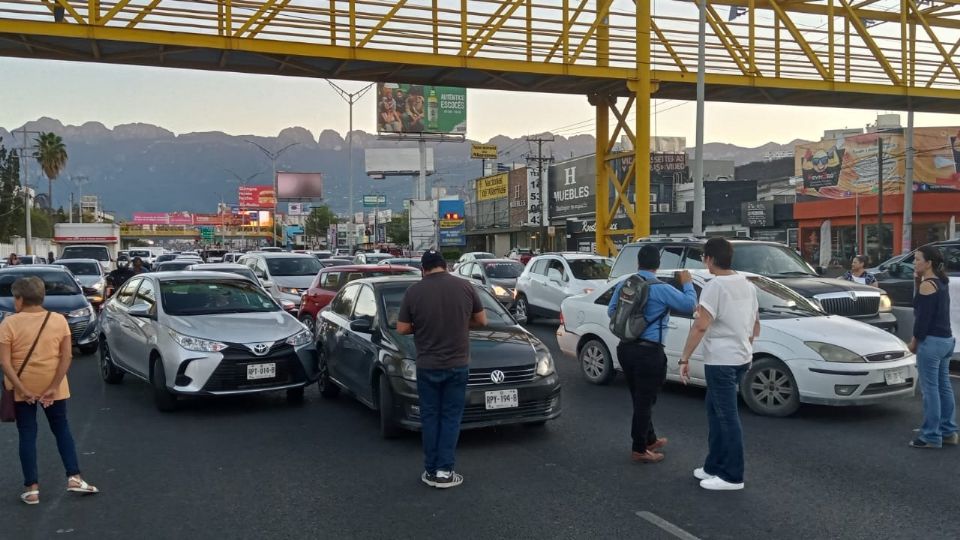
43, 381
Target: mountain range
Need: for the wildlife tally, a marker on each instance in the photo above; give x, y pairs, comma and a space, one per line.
145, 168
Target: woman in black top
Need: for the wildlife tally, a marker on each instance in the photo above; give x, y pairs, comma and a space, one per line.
933, 342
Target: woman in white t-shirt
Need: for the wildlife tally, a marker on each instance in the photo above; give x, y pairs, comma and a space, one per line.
727, 322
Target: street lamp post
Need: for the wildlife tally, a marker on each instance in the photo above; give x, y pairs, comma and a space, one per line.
350, 98
274, 156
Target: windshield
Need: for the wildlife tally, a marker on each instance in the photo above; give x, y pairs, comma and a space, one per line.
82, 268
203, 297
173, 266
375, 257
55, 283
769, 260
139, 253
591, 268
480, 256
294, 266
776, 299
503, 270
393, 294
86, 252
245, 272
415, 263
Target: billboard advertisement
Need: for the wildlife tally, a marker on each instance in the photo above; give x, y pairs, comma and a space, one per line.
298, 209
151, 218
483, 151
847, 166
256, 197
571, 188
299, 186
415, 108
493, 187
452, 228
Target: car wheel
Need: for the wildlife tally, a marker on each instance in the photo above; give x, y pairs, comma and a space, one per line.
389, 427
596, 363
769, 388
162, 397
108, 370
89, 348
295, 396
310, 323
522, 308
328, 388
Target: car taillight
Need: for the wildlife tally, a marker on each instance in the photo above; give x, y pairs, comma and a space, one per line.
561, 320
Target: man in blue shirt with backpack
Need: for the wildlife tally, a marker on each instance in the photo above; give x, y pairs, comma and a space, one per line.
642, 358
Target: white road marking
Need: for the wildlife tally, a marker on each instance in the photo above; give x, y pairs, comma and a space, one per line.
666, 525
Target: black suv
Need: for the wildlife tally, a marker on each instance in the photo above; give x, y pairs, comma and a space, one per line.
778, 262
897, 278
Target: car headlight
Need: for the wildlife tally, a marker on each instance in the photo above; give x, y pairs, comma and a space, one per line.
301, 338
834, 353
886, 305
500, 291
197, 344
82, 312
408, 368
291, 290
98, 286
545, 364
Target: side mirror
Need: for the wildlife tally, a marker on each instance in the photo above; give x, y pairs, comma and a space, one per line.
361, 326
141, 311
477, 277
266, 284
89, 291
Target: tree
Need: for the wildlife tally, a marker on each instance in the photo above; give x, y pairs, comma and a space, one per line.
51, 154
398, 229
11, 204
318, 222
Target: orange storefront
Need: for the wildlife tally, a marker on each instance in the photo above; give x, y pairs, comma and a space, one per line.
931, 222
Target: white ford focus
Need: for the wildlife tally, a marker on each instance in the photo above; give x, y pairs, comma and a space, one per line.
801, 356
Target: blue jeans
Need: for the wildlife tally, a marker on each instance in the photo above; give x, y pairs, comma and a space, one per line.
725, 458
27, 428
939, 407
443, 394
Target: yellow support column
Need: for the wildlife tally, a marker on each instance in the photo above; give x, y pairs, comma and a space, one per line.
641, 147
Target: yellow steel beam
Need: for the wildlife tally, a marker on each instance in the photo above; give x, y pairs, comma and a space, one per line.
274, 11
641, 146
144, 12
68, 8
823, 10
383, 20
93, 11
602, 185
333, 22
511, 7
800, 40
727, 39
602, 10
878, 55
948, 58
255, 17
942, 65
668, 47
568, 22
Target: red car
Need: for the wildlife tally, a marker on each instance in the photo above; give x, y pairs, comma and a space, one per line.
331, 279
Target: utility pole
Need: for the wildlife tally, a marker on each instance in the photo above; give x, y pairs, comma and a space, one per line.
25, 186
698, 153
907, 236
540, 178
880, 198
78, 181
350, 98
274, 156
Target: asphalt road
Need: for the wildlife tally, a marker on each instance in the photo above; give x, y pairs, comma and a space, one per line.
259, 468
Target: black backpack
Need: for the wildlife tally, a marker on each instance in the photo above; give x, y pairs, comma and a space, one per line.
627, 321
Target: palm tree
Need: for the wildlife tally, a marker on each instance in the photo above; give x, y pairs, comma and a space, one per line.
51, 154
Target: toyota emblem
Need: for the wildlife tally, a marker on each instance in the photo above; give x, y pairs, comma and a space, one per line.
497, 376
261, 348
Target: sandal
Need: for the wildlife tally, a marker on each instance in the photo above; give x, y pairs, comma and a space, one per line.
25, 497
78, 485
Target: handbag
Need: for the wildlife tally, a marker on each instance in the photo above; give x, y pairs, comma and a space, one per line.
7, 410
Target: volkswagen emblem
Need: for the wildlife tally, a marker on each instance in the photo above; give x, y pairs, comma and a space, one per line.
497, 376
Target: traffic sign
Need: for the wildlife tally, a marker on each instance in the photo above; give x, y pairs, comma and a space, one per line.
374, 201
206, 234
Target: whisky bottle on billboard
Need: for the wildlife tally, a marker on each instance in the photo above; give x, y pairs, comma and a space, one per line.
433, 110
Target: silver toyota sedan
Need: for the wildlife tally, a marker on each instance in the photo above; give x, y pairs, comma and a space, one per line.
204, 333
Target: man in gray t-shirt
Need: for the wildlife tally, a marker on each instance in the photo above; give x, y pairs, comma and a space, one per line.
439, 311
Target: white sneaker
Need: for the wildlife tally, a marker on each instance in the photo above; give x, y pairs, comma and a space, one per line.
701, 474
719, 484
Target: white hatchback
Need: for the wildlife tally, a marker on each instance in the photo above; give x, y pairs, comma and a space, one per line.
548, 280
801, 356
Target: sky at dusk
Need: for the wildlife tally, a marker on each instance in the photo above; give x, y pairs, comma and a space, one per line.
186, 101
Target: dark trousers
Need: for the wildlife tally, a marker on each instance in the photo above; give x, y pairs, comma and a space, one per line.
644, 366
27, 429
443, 393
725, 458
